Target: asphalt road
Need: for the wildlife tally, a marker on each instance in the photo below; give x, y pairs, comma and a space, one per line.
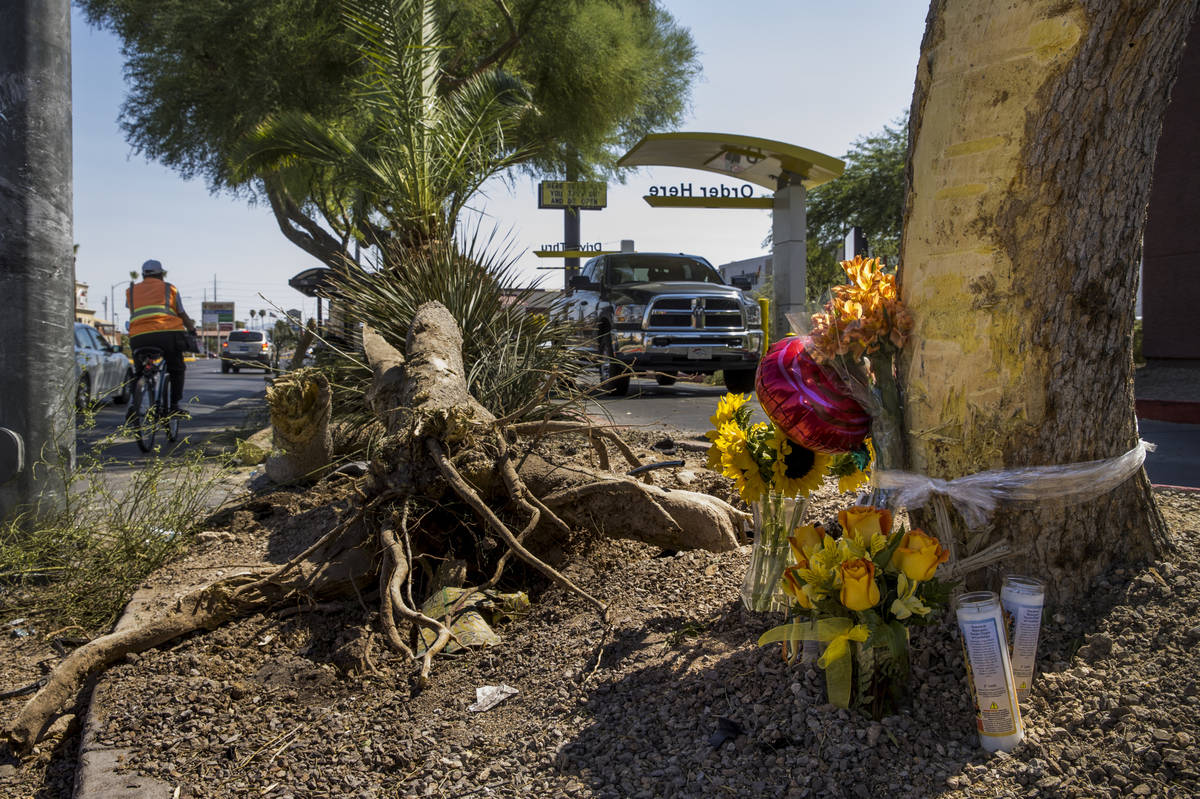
687, 407
218, 403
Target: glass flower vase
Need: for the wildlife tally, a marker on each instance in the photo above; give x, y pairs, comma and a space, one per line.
774, 518
880, 685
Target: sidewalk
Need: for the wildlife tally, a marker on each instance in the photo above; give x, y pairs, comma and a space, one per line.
1168, 391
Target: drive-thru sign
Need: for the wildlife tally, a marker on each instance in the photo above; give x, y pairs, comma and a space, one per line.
786, 169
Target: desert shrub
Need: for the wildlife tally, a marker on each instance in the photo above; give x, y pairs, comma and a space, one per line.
76, 561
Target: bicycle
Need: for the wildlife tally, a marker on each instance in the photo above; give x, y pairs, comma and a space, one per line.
150, 406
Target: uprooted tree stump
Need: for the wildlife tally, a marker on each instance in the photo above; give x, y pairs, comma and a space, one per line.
300, 403
441, 446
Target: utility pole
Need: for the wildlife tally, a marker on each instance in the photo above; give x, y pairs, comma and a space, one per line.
37, 362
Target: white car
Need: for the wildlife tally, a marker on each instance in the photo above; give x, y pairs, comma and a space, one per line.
246, 348
102, 371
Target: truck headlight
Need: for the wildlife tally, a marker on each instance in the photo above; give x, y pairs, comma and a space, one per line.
629, 313
753, 313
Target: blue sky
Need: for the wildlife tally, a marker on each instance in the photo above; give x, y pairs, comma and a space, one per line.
816, 74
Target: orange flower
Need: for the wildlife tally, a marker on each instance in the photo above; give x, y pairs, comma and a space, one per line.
859, 591
805, 540
862, 316
861, 522
793, 585
919, 555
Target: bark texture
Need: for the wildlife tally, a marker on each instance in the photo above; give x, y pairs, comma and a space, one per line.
1032, 139
300, 405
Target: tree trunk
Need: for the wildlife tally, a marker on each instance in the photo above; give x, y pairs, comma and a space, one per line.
1033, 131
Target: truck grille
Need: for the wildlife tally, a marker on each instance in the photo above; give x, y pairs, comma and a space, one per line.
695, 313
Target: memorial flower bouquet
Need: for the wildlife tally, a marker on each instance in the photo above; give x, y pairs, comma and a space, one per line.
858, 594
857, 334
774, 476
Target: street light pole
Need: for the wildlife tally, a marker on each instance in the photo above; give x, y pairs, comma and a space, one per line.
112, 295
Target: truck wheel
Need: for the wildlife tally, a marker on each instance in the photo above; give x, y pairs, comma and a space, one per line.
614, 376
224, 367
665, 378
739, 381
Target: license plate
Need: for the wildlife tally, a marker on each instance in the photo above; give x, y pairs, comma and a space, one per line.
699, 353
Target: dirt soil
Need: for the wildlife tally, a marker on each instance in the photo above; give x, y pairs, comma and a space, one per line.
279, 705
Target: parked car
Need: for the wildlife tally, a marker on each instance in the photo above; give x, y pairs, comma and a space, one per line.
246, 348
102, 371
669, 313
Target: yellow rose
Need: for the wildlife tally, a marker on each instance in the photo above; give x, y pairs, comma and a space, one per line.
919, 555
859, 590
863, 521
805, 540
793, 584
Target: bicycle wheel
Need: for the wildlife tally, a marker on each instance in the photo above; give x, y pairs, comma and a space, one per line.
164, 403
143, 413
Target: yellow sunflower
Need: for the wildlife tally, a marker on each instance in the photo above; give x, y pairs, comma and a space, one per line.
738, 464
796, 470
727, 409
851, 481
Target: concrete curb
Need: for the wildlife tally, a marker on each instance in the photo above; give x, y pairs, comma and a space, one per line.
96, 775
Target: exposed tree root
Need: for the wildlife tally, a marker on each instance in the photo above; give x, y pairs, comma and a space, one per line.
442, 445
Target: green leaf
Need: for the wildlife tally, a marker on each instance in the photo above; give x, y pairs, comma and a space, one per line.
884, 556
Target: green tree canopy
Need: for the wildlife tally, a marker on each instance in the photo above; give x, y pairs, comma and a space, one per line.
414, 155
204, 74
868, 195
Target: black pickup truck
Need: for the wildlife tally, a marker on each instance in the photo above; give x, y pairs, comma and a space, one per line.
666, 313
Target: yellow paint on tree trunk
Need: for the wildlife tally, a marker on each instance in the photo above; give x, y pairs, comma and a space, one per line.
971, 374
976, 146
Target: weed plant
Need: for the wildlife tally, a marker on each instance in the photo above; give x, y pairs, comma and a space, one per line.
76, 560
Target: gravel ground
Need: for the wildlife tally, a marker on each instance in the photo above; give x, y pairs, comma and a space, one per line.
278, 707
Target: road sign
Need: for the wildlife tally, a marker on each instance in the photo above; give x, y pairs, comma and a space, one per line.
216, 316
587, 195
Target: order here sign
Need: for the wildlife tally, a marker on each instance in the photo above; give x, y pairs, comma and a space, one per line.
588, 195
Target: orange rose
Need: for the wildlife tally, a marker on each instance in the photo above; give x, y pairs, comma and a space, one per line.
863, 521
859, 590
919, 555
793, 584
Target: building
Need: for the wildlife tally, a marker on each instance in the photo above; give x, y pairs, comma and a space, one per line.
748, 274
88, 315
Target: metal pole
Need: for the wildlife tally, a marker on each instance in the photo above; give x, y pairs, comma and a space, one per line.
570, 229
37, 369
570, 242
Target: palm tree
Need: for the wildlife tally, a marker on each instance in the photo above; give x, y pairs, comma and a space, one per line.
414, 156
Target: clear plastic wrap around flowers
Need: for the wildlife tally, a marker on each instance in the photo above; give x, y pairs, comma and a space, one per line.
976, 496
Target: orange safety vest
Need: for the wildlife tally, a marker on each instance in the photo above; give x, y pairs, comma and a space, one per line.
153, 304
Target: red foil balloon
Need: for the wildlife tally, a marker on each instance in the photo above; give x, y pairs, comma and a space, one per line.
813, 407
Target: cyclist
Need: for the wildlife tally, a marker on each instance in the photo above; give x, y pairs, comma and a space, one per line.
157, 319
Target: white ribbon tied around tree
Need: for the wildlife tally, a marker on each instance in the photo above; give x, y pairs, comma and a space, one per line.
976, 496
